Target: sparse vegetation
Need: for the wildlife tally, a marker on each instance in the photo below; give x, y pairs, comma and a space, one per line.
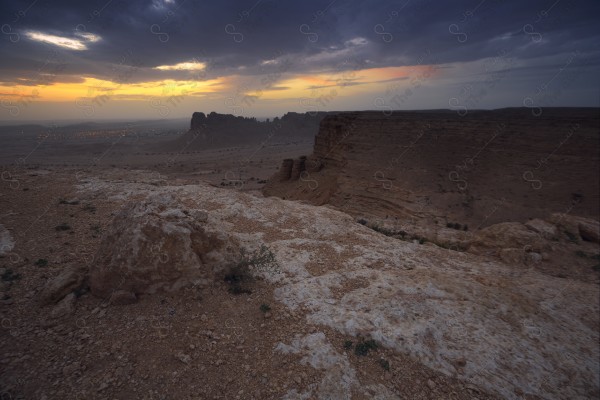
62, 227
262, 259
457, 226
402, 235
9, 275
265, 308
41, 262
89, 208
362, 221
595, 257
80, 291
348, 344
385, 364
381, 229
97, 229
364, 346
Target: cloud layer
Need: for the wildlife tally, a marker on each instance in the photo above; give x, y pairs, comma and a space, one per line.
302, 50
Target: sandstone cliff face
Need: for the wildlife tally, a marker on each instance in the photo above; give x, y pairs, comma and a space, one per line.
484, 168
336, 138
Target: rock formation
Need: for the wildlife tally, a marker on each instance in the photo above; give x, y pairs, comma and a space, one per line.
63, 284
222, 130
513, 330
298, 166
155, 245
480, 169
285, 171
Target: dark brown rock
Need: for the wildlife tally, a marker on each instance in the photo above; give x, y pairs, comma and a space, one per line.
63, 284
122, 298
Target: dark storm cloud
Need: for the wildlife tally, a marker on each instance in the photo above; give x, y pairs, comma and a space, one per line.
237, 37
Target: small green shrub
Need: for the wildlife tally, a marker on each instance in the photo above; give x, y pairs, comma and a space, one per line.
385, 364
89, 208
41, 262
363, 348
9, 275
265, 308
262, 259
348, 344
457, 226
382, 230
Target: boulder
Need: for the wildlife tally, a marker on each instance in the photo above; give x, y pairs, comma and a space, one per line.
157, 244
512, 256
586, 228
545, 229
506, 235
589, 230
63, 284
122, 298
64, 307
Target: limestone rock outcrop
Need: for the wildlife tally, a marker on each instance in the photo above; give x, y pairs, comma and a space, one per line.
589, 231
544, 228
585, 228
493, 239
157, 244
522, 333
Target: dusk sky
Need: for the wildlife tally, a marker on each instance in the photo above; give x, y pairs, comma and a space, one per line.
115, 59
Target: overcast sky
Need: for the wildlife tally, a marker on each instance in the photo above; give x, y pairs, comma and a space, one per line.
168, 58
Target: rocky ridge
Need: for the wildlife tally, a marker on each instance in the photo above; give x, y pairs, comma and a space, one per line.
501, 326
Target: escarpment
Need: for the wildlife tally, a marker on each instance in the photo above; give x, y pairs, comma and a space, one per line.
481, 168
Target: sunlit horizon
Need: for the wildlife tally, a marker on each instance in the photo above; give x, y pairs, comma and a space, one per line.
167, 59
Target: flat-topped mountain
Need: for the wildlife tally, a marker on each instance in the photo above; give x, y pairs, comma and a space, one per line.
222, 130
479, 169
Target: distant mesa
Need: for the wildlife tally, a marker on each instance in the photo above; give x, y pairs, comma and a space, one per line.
224, 130
201, 120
